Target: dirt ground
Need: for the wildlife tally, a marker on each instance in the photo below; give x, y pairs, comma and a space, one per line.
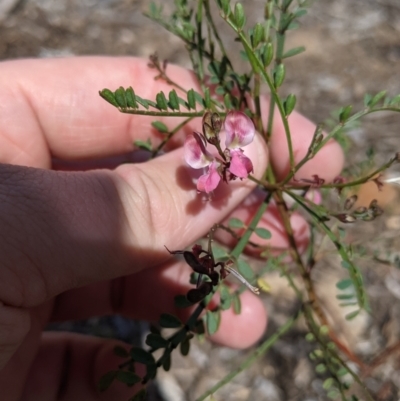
353, 47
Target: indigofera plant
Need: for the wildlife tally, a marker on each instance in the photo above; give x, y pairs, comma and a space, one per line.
229, 104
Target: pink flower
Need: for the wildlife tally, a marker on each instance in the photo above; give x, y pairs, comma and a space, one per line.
209, 181
241, 166
195, 152
240, 132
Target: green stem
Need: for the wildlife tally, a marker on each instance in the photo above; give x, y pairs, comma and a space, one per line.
257, 102
169, 136
190, 114
210, 20
259, 68
354, 273
238, 250
199, 21
260, 351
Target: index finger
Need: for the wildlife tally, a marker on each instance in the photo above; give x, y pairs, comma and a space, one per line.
51, 108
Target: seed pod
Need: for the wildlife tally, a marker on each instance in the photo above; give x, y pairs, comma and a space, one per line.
349, 203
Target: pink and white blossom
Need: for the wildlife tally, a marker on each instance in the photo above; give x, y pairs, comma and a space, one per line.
195, 152
239, 130
240, 166
232, 163
209, 181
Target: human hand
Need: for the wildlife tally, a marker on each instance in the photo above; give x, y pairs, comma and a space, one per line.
77, 244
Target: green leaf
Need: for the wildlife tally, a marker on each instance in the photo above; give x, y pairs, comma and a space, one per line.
294, 52
300, 12
120, 351
240, 18
166, 360
267, 54
279, 75
258, 35
156, 341
109, 96
169, 321
225, 6
345, 264
145, 103
320, 368
342, 371
128, 377
327, 383
173, 100
263, 233
120, 97
199, 99
235, 223
219, 252
333, 394
345, 304
226, 298
181, 301
160, 126
131, 98
237, 304
139, 396
227, 101
367, 99
352, 315
395, 100
161, 101
292, 26
344, 113
344, 284
375, 100
245, 270
191, 99
106, 380
145, 145
213, 320
289, 104
244, 56
345, 297
185, 346
184, 103
141, 356
286, 4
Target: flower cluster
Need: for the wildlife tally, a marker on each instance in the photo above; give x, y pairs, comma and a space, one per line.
230, 163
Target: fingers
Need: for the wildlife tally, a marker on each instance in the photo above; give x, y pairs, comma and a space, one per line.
14, 325
69, 367
80, 227
151, 292
60, 113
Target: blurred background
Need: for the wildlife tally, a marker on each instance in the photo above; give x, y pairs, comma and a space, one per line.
352, 47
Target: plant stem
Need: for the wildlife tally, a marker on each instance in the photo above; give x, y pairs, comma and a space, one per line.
169, 136
260, 351
238, 250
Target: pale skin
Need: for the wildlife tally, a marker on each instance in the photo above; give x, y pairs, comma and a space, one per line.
76, 244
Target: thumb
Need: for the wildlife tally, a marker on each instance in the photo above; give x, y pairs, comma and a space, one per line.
63, 230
